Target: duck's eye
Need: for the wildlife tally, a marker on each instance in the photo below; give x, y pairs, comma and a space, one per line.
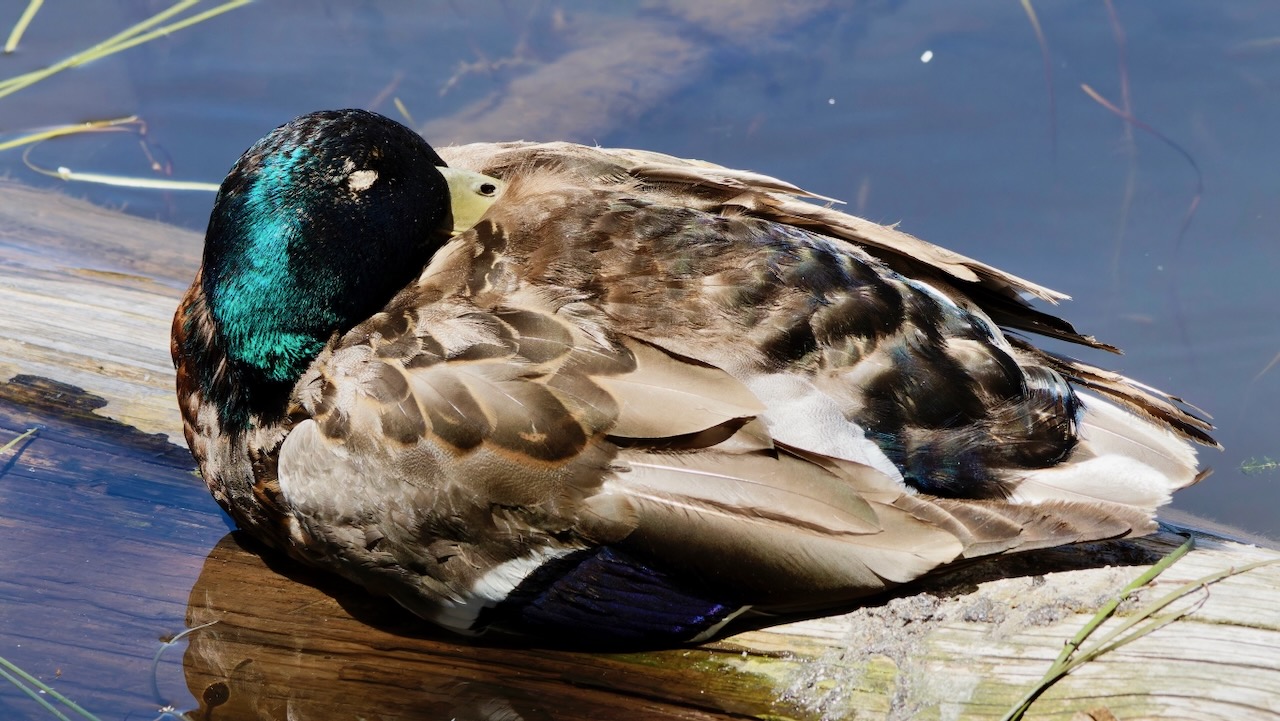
488, 189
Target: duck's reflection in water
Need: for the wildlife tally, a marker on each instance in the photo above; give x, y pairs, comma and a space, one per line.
283, 643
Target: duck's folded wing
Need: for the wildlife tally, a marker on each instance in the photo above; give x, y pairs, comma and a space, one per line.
720, 533
452, 452
772, 529
789, 533
501, 469
458, 460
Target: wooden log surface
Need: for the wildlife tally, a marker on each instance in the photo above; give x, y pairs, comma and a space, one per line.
109, 545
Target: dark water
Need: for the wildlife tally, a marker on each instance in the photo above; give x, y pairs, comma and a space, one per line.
975, 149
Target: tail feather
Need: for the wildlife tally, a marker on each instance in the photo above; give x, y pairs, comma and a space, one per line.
1050, 524
987, 528
1182, 418
1124, 468
1107, 430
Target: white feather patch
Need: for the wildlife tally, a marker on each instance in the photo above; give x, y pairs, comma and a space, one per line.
1108, 429
714, 629
800, 415
1122, 458
491, 589
1114, 478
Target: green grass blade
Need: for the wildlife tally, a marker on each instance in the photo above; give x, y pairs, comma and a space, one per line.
21, 81
8, 668
30, 692
166, 30
124, 181
123, 40
21, 27
61, 130
1126, 633
29, 432
1110, 642
1063, 663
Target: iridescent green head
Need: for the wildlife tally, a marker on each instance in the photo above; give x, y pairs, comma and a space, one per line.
314, 229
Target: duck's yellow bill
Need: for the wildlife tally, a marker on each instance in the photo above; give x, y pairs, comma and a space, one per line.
470, 195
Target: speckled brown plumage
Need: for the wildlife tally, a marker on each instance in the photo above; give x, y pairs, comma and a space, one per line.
772, 403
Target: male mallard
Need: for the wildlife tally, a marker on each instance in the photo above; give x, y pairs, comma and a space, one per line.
614, 395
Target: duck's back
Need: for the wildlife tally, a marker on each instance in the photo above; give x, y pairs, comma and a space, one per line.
887, 334
659, 392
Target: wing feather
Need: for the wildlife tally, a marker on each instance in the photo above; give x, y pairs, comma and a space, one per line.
665, 396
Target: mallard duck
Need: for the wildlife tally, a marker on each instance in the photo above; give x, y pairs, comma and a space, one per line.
612, 395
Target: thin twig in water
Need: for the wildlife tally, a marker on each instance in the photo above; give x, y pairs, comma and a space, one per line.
165, 644
1274, 360
404, 112
1130, 147
1048, 74
123, 181
387, 91
1128, 117
1122, 62
1259, 43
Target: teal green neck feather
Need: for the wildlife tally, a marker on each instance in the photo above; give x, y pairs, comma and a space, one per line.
273, 317
298, 250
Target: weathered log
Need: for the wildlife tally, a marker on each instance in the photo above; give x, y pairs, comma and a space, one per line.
106, 538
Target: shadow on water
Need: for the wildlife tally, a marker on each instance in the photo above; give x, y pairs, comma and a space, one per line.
315, 647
